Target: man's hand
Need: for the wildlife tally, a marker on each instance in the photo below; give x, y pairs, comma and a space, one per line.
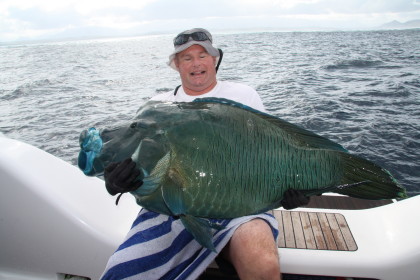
293, 199
120, 177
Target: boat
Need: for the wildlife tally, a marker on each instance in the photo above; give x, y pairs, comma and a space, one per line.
57, 223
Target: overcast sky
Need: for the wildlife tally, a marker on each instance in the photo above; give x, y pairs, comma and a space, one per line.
49, 19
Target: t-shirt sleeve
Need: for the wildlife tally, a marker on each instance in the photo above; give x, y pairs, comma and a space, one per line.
243, 94
257, 103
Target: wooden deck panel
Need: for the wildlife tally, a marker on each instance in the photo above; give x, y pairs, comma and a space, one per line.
298, 230
337, 234
345, 230
314, 230
307, 230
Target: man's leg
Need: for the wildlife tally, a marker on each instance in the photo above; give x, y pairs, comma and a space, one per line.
253, 251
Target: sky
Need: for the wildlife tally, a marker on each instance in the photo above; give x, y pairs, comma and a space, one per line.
55, 19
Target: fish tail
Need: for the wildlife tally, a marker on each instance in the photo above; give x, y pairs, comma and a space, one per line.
378, 183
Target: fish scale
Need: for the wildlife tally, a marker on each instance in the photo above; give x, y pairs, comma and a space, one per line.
256, 185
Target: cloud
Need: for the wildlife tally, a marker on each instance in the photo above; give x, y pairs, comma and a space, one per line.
23, 19
26, 19
40, 19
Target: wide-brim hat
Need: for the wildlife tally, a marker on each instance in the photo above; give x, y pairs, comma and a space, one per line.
206, 44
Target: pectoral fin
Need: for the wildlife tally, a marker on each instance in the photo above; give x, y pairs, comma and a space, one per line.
153, 181
172, 195
200, 229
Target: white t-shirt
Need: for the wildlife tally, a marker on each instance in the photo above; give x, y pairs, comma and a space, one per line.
237, 92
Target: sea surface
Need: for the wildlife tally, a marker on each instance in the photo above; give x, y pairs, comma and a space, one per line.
360, 89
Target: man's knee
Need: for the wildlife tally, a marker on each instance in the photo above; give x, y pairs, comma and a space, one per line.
253, 251
270, 266
256, 234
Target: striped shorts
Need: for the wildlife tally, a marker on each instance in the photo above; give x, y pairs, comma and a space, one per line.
159, 247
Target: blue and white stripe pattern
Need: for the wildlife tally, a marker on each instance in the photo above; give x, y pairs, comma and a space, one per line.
159, 247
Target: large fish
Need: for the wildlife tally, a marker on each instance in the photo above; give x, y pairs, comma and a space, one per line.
215, 158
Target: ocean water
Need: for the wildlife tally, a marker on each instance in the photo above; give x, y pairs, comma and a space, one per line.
360, 89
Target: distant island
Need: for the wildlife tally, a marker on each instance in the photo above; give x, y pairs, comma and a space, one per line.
401, 25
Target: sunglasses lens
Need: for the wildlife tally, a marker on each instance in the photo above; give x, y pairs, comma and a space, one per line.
197, 36
200, 36
181, 39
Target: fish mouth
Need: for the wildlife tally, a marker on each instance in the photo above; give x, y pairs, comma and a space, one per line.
91, 145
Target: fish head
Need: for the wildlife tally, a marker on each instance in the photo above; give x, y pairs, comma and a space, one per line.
99, 147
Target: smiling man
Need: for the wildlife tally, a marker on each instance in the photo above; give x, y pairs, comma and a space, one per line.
195, 58
197, 71
158, 246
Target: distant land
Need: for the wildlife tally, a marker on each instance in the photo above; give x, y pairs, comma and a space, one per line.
401, 25
88, 33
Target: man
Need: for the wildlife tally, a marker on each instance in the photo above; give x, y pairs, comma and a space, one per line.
249, 243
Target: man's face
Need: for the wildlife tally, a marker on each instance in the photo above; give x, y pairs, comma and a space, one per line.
197, 70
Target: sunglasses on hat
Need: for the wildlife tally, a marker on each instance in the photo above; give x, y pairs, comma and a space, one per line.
196, 36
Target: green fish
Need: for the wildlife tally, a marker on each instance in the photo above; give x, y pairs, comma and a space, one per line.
215, 158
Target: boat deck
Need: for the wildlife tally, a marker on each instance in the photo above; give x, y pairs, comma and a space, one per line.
314, 230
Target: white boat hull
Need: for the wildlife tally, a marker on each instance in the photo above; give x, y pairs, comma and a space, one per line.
55, 221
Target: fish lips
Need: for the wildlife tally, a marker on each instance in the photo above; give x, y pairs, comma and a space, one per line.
91, 145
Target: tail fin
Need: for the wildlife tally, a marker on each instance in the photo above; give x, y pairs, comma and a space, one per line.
380, 185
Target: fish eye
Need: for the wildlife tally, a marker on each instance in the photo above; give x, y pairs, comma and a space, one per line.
133, 125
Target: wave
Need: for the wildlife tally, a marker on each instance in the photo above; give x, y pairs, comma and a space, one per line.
25, 89
353, 63
44, 86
